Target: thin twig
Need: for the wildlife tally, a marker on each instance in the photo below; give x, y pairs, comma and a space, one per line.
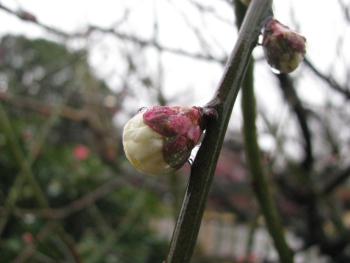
289, 92
154, 44
30, 250
112, 31
90, 198
29, 17
124, 226
76, 205
336, 181
329, 80
6, 127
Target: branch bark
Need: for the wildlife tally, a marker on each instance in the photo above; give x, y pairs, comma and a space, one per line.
189, 220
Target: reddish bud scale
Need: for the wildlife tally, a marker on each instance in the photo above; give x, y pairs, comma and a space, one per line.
180, 128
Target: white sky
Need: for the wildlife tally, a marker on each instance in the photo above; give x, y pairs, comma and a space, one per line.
320, 21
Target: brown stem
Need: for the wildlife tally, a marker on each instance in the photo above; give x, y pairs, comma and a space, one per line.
189, 220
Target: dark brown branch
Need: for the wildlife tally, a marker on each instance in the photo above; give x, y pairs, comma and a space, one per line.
287, 87
337, 180
329, 80
31, 248
202, 8
313, 234
29, 17
151, 43
76, 205
346, 10
44, 109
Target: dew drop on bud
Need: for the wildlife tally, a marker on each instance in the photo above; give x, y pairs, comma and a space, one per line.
274, 70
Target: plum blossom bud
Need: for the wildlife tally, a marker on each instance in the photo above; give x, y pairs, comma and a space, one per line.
159, 139
284, 49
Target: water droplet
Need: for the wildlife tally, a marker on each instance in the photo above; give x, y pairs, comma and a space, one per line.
274, 70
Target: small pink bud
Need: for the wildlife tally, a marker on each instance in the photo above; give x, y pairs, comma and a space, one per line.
284, 49
160, 139
81, 152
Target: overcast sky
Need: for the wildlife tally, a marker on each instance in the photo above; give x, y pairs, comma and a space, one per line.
321, 21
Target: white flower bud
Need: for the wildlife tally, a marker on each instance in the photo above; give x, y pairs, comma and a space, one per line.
144, 147
160, 139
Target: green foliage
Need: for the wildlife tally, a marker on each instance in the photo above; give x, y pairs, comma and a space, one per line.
64, 158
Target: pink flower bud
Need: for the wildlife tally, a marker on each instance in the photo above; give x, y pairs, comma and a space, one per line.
160, 139
284, 49
81, 152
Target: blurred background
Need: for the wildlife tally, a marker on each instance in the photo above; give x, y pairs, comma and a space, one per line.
73, 72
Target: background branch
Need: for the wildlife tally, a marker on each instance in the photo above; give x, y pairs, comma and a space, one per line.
259, 181
112, 31
290, 95
336, 180
328, 79
29, 17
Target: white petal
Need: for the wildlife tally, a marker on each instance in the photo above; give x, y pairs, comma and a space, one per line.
144, 147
